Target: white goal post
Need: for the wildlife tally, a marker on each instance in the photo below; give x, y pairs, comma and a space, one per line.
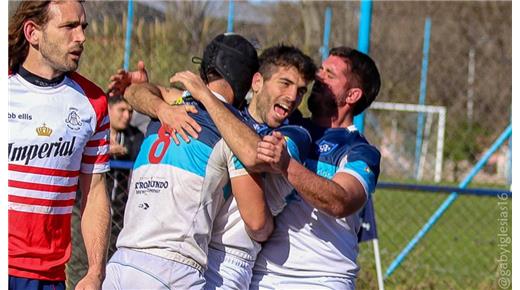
429, 110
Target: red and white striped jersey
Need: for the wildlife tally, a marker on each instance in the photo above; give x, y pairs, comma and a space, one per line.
55, 133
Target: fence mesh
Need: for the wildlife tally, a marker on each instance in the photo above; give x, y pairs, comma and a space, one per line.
469, 73
469, 60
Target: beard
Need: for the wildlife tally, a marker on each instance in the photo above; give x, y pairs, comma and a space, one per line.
322, 102
56, 56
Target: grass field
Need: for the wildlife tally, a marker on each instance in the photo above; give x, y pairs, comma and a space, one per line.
459, 252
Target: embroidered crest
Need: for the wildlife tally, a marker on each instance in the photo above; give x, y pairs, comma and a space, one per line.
73, 121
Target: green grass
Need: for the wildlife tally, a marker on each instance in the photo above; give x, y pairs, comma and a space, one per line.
459, 252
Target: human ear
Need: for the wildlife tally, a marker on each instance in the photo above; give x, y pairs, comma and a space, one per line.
257, 83
354, 95
32, 32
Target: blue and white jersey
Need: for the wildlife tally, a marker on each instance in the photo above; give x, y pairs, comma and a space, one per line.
229, 233
307, 242
176, 191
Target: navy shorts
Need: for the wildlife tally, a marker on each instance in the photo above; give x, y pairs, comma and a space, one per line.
17, 283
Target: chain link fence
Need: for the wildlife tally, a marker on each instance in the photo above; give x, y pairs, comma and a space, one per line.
460, 251
469, 61
469, 75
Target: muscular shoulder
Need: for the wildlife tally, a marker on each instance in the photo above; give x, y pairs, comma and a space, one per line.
366, 152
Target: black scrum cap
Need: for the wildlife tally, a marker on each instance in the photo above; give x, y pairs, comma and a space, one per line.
235, 59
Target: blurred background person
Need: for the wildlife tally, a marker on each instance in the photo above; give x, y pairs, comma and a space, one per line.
125, 140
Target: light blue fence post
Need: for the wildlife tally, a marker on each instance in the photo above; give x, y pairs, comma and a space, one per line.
326, 34
231, 16
365, 19
422, 95
128, 37
447, 203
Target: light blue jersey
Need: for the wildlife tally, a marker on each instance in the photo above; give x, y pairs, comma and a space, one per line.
310, 244
176, 192
232, 251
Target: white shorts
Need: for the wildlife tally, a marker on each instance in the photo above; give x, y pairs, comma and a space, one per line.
269, 281
130, 269
226, 271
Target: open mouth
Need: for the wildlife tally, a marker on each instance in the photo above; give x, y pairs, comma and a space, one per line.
282, 110
76, 53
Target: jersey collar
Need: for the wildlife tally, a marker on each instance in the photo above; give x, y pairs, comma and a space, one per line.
39, 81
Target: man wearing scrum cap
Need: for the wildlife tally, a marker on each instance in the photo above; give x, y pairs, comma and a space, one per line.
280, 82
314, 243
277, 90
176, 191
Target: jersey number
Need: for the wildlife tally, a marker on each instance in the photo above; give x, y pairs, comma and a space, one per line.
164, 138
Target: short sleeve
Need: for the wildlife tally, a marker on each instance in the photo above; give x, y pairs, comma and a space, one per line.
234, 166
95, 157
298, 141
363, 163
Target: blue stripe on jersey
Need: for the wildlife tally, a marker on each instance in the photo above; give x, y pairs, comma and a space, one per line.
192, 157
227, 190
321, 168
293, 149
363, 170
237, 163
298, 141
331, 145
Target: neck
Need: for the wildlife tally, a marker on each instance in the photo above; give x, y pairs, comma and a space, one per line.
222, 87
253, 111
38, 66
342, 119
113, 131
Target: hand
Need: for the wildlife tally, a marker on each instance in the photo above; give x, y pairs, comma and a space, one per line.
272, 150
90, 282
122, 79
193, 83
117, 149
175, 119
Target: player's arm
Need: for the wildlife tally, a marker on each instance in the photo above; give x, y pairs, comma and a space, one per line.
155, 101
250, 198
340, 196
152, 100
247, 189
95, 227
241, 139
149, 99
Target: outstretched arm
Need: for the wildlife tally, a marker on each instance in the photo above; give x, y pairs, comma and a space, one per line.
122, 79
241, 139
155, 103
148, 99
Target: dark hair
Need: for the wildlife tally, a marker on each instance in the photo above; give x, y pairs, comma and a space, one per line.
363, 72
116, 99
286, 55
37, 11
